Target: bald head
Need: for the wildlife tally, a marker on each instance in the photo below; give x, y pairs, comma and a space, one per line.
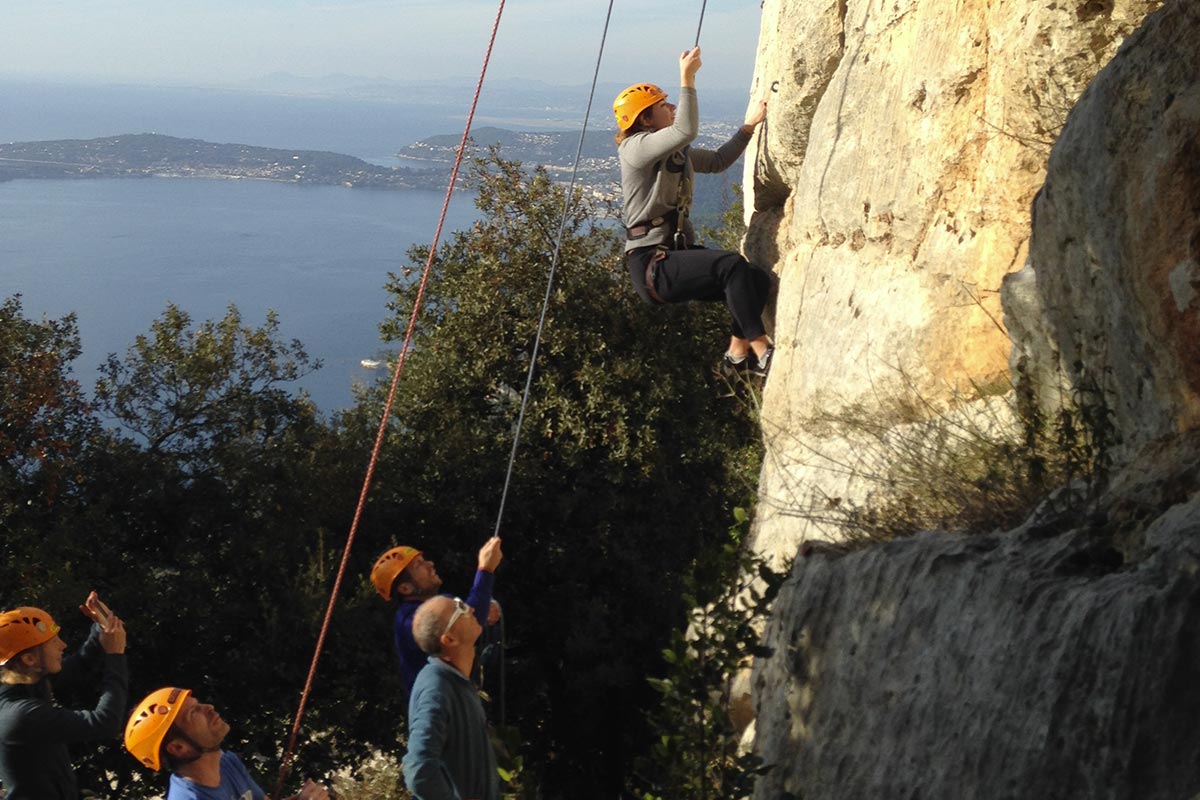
446, 627
429, 622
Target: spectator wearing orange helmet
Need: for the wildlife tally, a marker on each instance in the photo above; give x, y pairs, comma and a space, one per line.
171, 728
404, 573
34, 731
657, 170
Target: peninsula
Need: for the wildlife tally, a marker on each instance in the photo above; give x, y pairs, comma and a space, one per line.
150, 155
424, 164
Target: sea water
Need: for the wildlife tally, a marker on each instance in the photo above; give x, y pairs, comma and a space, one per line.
372, 130
116, 252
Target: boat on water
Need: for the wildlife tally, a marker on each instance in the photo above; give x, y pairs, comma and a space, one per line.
370, 363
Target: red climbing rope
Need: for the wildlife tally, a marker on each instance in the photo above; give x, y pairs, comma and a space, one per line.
387, 411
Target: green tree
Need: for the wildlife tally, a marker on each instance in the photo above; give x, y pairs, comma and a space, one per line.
209, 517
196, 392
695, 752
629, 463
44, 417
733, 224
47, 430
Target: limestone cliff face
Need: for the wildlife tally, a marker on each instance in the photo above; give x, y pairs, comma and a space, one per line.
1057, 660
1030, 664
891, 190
1116, 238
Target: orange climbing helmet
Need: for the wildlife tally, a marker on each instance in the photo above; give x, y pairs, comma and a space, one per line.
149, 723
634, 101
388, 566
23, 628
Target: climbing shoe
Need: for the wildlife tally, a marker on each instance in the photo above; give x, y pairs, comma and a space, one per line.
735, 363
733, 368
762, 365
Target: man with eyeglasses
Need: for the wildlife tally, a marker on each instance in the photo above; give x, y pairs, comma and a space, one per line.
449, 755
404, 573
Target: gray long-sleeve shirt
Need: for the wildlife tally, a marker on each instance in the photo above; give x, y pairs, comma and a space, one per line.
657, 168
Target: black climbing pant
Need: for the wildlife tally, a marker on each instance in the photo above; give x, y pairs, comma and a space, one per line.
709, 276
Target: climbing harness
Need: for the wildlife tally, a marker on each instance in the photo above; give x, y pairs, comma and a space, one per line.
651, 276
641, 229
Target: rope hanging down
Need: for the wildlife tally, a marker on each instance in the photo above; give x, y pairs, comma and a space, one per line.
285, 767
562, 225
289, 752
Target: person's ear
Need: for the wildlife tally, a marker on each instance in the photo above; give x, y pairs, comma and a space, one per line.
404, 588
175, 748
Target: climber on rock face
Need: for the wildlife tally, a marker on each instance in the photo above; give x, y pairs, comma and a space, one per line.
657, 168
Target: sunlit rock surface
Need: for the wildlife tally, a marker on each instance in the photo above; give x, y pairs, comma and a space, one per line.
1058, 660
891, 191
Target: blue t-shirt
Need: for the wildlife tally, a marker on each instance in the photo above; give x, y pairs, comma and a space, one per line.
236, 784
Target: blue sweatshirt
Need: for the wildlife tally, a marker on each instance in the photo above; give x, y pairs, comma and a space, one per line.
236, 783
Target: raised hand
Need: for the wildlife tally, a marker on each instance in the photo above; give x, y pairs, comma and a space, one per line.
490, 555
94, 609
756, 113
689, 65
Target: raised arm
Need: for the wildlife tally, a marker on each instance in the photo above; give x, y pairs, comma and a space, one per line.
107, 635
723, 157
644, 149
42, 721
480, 597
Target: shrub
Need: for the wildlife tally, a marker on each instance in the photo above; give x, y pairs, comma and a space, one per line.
977, 463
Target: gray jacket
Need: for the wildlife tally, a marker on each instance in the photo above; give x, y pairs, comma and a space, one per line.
657, 169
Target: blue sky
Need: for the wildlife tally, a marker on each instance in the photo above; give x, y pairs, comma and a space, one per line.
232, 42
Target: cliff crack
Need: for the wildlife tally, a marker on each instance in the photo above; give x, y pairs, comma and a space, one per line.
843, 12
